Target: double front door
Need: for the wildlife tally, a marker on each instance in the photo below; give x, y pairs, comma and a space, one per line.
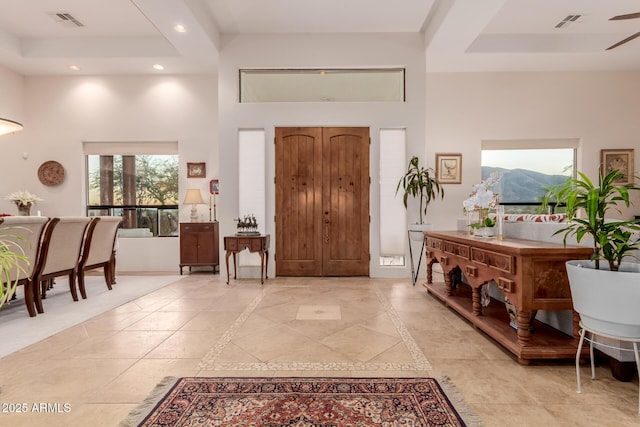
322, 201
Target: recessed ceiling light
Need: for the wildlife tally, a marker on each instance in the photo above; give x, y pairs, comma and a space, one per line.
158, 67
180, 28
74, 67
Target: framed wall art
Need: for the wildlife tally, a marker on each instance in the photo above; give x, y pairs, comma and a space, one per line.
449, 168
196, 170
214, 186
620, 159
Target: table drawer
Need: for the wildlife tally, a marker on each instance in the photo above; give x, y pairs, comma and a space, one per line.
256, 245
231, 244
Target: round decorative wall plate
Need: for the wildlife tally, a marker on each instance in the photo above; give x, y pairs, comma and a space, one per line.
51, 173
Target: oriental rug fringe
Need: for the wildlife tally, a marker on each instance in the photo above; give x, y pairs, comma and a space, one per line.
302, 402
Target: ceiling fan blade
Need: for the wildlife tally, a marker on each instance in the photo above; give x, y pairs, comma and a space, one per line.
627, 16
621, 42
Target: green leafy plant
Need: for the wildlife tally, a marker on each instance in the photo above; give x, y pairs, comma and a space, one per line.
612, 239
12, 260
421, 183
484, 222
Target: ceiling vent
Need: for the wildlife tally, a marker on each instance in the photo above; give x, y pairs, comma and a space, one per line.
568, 20
66, 19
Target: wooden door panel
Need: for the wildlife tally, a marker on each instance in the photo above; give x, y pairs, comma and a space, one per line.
322, 201
346, 202
298, 201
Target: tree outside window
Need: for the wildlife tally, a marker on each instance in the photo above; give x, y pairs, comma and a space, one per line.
143, 189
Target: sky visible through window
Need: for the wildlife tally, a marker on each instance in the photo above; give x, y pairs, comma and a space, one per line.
549, 161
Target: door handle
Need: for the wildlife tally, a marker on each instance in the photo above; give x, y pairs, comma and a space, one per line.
326, 230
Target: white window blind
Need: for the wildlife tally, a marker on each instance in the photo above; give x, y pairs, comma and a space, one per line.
393, 215
130, 147
251, 180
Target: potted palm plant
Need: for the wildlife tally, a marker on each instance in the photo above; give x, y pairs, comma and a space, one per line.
419, 183
606, 289
612, 240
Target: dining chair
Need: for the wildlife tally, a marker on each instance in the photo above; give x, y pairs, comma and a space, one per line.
61, 250
23, 235
98, 251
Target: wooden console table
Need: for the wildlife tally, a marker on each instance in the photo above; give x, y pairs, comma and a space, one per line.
532, 276
260, 244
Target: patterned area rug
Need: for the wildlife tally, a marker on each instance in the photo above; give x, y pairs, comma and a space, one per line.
302, 402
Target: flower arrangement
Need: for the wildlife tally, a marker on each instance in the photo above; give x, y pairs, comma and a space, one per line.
23, 200
23, 197
482, 199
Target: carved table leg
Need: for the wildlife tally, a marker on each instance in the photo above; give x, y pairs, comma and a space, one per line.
476, 304
447, 284
226, 259
524, 325
262, 267
429, 269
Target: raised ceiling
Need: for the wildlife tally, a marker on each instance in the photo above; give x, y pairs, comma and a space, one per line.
130, 36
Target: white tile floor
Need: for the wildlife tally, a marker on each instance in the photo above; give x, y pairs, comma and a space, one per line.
103, 367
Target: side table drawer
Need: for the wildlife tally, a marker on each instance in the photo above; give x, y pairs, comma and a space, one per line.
256, 245
230, 244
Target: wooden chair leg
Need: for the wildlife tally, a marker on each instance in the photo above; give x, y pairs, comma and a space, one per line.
83, 291
35, 289
28, 299
107, 275
44, 285
72, 285
112, 266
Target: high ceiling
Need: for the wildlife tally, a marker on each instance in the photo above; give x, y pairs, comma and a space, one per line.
130, 36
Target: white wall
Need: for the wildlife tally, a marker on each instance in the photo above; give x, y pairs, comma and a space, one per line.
62, 112
12, 107
459, 109
602, 109
316, 51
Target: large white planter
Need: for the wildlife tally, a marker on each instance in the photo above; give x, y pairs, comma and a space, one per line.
416, 231
607, 301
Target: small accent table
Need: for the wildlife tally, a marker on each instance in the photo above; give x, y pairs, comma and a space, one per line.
260, 244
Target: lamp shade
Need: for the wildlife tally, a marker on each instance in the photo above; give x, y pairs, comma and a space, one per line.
9, 126
193, 197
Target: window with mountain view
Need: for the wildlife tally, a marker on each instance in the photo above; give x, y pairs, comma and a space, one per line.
527, 174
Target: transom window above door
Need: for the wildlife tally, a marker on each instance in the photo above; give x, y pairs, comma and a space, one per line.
323, 85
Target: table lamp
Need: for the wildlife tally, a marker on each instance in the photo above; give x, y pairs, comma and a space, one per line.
193, 198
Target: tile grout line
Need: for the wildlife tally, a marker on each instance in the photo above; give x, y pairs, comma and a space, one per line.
219, 346
418, 356
208, 362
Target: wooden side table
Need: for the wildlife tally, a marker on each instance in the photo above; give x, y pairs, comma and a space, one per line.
260, 244
199, 245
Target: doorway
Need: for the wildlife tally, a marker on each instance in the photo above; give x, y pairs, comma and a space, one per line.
322, 201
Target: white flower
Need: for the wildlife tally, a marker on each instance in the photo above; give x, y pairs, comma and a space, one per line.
23, 197
469, 204
482, 197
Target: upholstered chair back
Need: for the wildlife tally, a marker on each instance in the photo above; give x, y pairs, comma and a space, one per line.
102, 241
65, 244
22, 235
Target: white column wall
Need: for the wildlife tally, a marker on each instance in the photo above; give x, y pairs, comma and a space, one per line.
317, 51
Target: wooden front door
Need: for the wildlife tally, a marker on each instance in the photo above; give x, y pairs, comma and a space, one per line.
322, 201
